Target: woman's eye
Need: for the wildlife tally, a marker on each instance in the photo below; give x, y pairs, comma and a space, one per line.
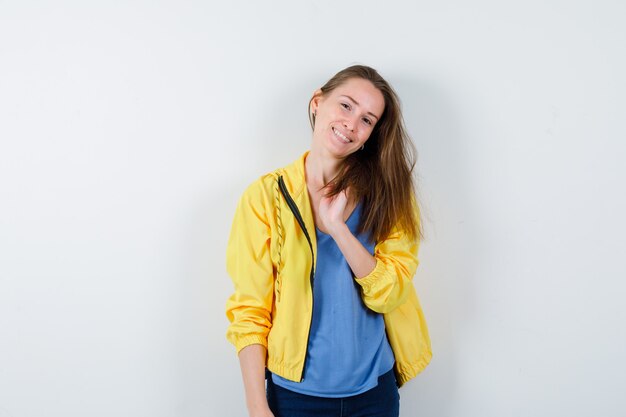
345, 106
367, 121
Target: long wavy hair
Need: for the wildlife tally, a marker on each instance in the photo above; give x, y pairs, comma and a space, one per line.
379, 175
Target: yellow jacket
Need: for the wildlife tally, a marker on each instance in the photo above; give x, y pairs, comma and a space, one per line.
270, 259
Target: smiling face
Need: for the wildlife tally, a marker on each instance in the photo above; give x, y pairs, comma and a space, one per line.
346, 116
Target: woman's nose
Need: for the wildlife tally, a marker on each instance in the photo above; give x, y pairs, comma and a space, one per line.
349, 124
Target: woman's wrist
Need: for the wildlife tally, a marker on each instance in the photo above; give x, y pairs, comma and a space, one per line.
337, 230
258, 408
358, 257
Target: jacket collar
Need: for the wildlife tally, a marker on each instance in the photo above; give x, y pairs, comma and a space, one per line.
295, 181
295, 178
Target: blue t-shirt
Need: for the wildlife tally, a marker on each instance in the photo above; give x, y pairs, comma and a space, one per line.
348, 348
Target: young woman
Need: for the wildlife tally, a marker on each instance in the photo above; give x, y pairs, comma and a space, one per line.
322, 254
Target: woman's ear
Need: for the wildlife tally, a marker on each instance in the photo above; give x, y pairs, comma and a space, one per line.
315, 101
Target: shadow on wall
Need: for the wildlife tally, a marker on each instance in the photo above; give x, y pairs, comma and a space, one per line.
444, 279
208, 375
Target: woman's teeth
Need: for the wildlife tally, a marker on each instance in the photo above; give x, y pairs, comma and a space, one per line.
342, 137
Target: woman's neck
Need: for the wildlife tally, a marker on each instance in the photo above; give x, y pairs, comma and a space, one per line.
320, 168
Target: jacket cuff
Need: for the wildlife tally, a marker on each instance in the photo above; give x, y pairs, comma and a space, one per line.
253, 339
368, 281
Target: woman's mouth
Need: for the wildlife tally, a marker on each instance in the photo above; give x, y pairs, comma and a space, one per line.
341, 136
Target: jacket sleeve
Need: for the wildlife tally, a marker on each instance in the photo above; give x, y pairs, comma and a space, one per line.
249, 264
390, 283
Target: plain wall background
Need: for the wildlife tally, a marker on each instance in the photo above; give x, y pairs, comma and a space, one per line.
128, 130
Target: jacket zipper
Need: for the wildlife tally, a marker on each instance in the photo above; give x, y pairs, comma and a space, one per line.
294, 209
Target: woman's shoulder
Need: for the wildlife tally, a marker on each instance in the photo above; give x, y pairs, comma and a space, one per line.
261, 193
264, 183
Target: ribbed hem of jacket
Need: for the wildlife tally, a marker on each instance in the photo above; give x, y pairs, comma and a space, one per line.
373, 277
292, 373
407, 371
245, 341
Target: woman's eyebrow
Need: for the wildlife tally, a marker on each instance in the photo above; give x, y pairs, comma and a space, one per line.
355, 102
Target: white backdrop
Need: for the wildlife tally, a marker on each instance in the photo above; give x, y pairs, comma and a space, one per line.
128, 130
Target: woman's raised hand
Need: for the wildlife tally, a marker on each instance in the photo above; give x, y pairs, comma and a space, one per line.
332, 210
